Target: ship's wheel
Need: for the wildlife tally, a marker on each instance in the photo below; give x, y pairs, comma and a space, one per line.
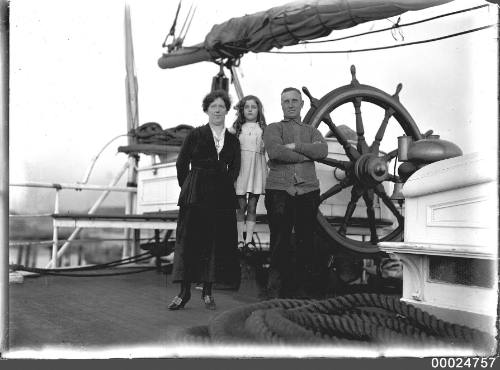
367, 167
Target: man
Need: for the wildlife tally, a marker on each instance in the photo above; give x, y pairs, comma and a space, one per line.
292, 194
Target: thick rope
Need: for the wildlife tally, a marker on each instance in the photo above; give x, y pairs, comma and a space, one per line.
231, 325
419, 318
352, 320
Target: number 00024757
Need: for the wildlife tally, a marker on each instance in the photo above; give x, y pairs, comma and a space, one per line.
463, 362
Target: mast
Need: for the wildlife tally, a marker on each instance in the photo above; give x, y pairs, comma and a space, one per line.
4, 176
131, 89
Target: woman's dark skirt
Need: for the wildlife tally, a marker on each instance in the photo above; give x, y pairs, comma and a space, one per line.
206, 246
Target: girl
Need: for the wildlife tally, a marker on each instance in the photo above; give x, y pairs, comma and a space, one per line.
249, 128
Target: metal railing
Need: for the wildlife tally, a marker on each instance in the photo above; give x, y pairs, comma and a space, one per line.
58, 187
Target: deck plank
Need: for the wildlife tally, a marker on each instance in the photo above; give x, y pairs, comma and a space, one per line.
88, 312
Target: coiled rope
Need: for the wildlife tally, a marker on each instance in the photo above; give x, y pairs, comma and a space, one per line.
360, 319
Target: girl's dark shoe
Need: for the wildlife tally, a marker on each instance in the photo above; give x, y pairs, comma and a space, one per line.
178, 302
209, 302
248, 249
250, 245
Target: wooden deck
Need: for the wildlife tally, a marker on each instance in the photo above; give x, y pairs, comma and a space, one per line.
94, 312
127, 317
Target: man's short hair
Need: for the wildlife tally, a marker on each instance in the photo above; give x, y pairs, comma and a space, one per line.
287, 89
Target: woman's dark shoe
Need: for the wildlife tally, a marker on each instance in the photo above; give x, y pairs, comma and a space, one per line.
209, 302
178, 302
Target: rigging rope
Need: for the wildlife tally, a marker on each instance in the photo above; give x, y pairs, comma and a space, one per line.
188, 20
381, 47
67, 271
172, 28
135, 271
64, 271
397, 25
94, 160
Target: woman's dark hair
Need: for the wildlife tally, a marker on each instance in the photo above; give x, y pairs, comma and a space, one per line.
210, 98
240, 114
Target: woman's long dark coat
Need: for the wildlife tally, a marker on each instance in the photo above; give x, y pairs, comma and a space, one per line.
206, 236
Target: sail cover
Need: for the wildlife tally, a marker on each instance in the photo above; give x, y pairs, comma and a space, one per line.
287, 25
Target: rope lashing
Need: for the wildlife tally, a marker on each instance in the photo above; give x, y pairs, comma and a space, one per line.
359, 320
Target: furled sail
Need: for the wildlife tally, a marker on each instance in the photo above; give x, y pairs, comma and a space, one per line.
287, 25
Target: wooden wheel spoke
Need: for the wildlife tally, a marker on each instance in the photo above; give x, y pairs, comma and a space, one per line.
343, 165
350, 151
336, 189
370, 212
380, 191
374, 148
366, 163
351, 207
360, 130
391, 155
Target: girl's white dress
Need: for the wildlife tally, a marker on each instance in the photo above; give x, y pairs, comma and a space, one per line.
253, 170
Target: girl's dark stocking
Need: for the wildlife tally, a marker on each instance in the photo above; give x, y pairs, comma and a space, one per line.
207, 289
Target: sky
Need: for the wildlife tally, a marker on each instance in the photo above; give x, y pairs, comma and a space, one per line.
67, 81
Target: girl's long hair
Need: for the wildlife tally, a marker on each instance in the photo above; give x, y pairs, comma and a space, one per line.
240, 114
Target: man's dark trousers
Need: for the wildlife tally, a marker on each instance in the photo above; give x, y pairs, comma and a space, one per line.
289, 265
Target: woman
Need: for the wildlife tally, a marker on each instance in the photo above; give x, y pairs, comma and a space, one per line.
251, 183
206, 238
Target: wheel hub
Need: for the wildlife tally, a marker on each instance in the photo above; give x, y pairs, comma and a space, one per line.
371, 170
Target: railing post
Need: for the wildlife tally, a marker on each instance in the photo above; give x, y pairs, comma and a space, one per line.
4, 176
92, 210
55, 233
129, 205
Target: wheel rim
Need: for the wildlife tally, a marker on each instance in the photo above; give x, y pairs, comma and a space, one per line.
366, 168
